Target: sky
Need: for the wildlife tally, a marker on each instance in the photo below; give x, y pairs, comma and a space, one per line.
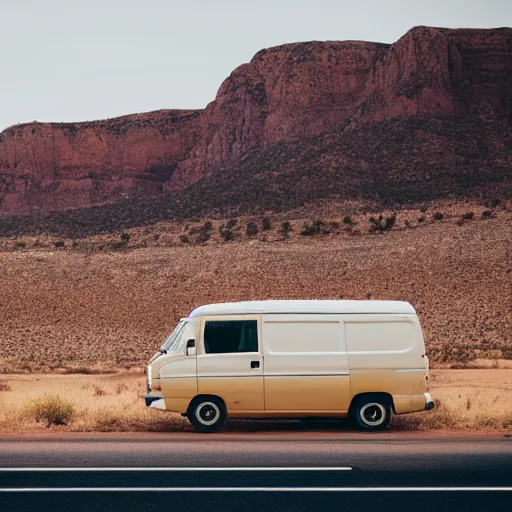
69, 60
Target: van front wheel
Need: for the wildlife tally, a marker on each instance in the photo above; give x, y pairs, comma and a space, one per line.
207, 415
371, 414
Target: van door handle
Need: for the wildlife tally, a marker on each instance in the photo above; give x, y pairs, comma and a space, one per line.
255, 364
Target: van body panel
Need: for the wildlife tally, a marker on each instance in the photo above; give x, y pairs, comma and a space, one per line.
240, 394
237, 378
307, 394
409, 403
184, 387
384, 342
305, 363
394, 382
177, 404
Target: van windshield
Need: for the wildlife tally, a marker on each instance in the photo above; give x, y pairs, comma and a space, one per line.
173, 343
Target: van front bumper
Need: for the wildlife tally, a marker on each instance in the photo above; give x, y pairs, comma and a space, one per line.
429, 403
155, 402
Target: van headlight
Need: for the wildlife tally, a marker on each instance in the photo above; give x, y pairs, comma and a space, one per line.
150, 378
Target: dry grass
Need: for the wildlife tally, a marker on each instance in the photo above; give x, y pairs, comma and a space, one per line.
71, 311
466, 399
118, 407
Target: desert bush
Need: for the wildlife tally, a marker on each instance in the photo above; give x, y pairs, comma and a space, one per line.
19, 245
348, 220
493, 203
226, 234
421, 220
379, 224
230, 224
204, 233
407, 223
506, 354
266, 224
487, 214
99, 391
286, 227
125, 237
468, 216
313, 229
252, 229
53, 410
460, 353
59, 243
438, 216
184, 239
334, 225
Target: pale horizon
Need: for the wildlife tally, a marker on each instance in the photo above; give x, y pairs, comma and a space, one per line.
106, 59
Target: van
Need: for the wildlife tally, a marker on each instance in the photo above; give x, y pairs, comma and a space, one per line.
362, 360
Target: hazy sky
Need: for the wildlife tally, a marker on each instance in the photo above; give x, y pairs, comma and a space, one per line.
69, 60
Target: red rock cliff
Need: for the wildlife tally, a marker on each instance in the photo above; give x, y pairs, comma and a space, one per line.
291, 92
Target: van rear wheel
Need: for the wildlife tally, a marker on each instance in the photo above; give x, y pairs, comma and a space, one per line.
371, 413
207, 414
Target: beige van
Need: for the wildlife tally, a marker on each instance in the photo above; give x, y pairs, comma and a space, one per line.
364, 360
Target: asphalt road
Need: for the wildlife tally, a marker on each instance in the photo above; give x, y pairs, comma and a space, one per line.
255, 472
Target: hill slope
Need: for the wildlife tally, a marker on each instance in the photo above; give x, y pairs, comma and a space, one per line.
426, 117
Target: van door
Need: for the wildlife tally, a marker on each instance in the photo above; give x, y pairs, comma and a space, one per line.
306, 364
230, 363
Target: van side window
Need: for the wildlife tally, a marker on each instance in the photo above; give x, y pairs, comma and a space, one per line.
231, 336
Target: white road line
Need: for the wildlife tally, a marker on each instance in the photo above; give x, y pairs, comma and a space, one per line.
177, 469
253, 489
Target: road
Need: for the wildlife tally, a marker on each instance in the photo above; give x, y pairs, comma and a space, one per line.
255, 472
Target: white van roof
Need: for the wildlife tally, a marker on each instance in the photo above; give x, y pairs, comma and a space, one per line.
304, 306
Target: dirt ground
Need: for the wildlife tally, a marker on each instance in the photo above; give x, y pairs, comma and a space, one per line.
92, 308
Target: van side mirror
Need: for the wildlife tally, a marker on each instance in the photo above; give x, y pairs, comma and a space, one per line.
191, 347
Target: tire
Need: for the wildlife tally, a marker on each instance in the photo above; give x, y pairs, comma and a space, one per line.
371, 413
207, 414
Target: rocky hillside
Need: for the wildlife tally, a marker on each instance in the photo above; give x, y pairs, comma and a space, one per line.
429, 116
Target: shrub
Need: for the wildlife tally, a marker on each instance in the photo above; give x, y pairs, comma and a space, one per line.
99, 391
266, 224
421, 220
204, 233
313, 229
286, 227
468, 216
226, 234
230, 224
506, 354
125, 238
487, 214
459, 352
53, 410
184, 239
423, 209
407, 223
380, 224
494, 203
438, 216
348, 220
59, 243
19, 245
334, 225
252, 229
